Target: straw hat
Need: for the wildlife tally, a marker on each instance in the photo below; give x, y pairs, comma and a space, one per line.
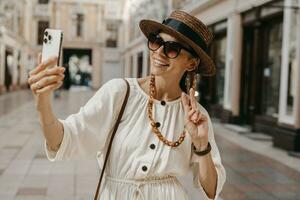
188, 30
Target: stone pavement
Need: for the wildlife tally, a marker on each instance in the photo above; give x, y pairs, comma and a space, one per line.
25, 173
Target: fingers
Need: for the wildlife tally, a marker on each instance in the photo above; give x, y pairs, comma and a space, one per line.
45, 81
185, 101
193, 99
48, 63
196, 116
50, 87
193, 114
47, 72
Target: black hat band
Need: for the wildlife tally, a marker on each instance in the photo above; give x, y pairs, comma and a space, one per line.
186, 31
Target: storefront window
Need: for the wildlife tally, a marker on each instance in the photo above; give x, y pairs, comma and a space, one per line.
220, 61
291, 90
271, 70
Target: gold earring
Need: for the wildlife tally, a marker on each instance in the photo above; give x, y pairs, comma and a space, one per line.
187, 82
191, 80
190, 70
195, 80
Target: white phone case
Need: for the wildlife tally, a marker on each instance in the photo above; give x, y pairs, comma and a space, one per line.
52, 44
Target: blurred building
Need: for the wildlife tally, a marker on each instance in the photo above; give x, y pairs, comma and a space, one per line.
91, 43
257, 54
90, 38
16, 48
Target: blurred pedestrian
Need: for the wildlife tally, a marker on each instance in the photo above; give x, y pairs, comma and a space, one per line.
164, 131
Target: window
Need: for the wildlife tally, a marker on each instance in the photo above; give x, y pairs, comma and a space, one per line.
112, 35
292, 79
79, 25
220, 60
271, 70
43, 1
42, 25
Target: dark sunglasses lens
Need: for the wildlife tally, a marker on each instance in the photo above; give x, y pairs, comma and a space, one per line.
154, 42
172, 49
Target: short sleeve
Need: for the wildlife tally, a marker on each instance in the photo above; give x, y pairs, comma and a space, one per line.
86, 132
221, 174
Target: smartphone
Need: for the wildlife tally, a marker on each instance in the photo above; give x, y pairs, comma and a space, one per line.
52, 44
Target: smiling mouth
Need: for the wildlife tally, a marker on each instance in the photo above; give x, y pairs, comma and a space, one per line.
159, 63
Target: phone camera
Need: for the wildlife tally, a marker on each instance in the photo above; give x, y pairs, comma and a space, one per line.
46, 33
49, 37
45, 40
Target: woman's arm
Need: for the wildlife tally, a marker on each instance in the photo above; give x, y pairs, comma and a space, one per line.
51, 126
208, 169
43, 80
207, 173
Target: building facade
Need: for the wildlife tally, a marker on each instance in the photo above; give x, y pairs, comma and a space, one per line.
16, 49
91, 43
256, 49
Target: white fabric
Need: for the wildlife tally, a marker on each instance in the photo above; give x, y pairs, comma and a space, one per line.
86, 133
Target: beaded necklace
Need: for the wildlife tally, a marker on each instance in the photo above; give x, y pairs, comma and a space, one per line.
152, 121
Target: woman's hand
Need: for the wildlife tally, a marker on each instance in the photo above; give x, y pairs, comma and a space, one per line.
196, 123
45, 78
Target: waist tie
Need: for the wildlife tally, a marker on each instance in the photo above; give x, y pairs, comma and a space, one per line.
138, 183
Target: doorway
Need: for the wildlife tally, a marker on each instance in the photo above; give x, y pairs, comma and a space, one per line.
261, 65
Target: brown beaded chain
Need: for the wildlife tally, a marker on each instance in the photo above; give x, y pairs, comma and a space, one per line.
152, 122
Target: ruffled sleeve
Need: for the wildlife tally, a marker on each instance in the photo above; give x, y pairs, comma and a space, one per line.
221, 174
86, 132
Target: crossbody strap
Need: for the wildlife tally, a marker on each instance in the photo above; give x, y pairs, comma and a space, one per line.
111, 139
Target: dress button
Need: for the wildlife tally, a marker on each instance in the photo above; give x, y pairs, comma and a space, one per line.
157, 124
144, 168
152, 146
163, 103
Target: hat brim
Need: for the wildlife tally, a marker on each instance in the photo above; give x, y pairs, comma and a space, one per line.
206, 67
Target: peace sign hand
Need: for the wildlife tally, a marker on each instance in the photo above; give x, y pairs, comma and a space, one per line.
195, 122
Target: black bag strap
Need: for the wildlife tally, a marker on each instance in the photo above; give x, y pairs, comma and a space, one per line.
111, 139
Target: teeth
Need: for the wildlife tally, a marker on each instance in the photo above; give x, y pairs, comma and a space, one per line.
157, 62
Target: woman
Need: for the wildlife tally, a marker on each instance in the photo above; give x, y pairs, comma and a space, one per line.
164, 132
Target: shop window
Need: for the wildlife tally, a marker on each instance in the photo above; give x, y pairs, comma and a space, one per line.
220, 61
271, 70
291, 90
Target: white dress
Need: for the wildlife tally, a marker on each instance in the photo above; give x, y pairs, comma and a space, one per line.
139, 166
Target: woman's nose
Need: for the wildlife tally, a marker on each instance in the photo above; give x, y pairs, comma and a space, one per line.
160, 51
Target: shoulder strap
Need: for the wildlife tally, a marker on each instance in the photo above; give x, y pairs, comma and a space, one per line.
111, 139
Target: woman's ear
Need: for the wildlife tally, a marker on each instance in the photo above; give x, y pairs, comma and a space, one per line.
194, 63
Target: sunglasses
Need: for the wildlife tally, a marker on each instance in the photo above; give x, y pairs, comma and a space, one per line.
171, 48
